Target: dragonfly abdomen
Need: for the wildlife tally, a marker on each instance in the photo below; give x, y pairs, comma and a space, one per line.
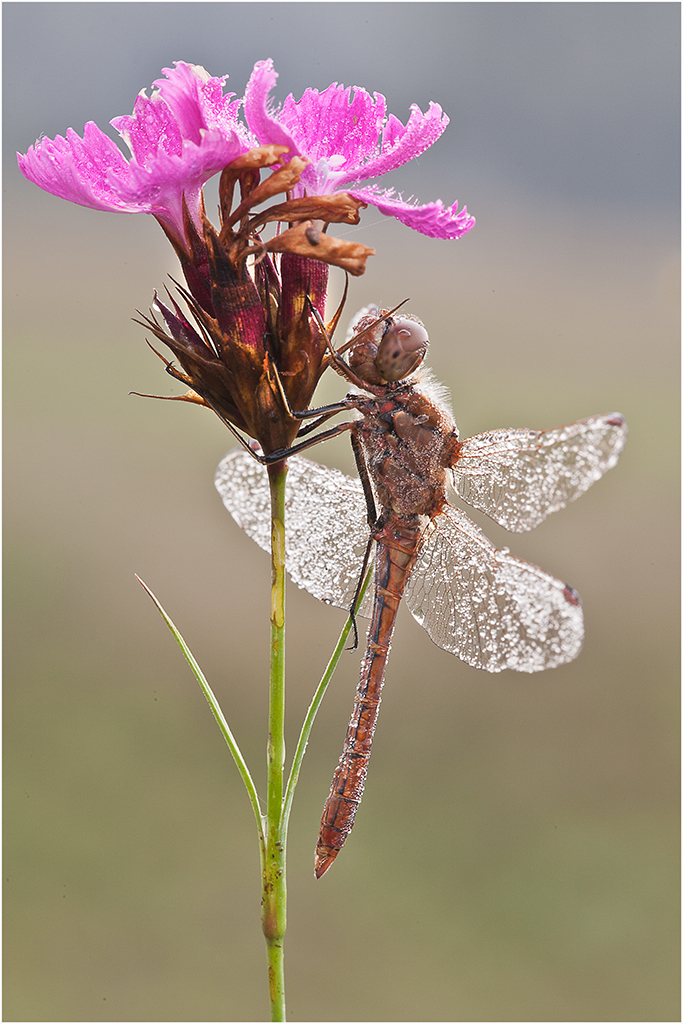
398, 546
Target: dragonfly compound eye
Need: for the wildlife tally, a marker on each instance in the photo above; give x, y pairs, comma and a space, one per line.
402, 348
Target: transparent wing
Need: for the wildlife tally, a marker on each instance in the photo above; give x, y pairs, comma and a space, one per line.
491, 610
518, 477
326, 526
371, 310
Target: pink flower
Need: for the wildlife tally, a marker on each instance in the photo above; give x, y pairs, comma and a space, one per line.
249, 293
181, 137
347, 138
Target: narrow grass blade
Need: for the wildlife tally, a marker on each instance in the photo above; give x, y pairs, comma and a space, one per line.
218, 715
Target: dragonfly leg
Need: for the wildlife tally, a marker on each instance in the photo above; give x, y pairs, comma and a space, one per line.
354, 603
322, 412
364, 475
284, 453
172, 372
306, 414
281, 453
372, 519
325, 412
334, 357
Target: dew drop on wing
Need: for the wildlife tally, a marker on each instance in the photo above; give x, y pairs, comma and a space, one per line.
571, 595
419, 614
519, 476
326, 523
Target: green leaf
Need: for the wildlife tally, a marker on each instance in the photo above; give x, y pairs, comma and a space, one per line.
218, 715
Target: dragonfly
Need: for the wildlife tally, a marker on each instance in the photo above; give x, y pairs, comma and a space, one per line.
476, 601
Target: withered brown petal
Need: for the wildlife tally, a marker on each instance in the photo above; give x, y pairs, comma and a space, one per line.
350, 256
281, 180
339, 208
259, 156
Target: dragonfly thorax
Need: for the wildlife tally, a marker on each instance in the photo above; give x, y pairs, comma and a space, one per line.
408, 443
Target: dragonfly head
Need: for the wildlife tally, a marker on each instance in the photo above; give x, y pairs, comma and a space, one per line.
389, 349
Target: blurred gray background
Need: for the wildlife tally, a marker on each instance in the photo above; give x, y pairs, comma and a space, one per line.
515, 856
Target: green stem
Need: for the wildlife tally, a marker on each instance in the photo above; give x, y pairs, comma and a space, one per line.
313, 710
272, 827
274, 896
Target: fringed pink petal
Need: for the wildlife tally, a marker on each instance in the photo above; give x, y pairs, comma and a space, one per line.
86, 171
336, 123
433, 219
162, 183
400, 144
150, 129
196, 100
266, 127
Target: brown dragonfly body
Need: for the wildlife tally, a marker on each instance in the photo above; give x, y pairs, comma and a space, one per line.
406, 443
478, 602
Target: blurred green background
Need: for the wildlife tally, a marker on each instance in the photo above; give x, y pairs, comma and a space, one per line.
516, 854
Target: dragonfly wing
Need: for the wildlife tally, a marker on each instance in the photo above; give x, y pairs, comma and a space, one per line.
326, 522
518, 477
491, 610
